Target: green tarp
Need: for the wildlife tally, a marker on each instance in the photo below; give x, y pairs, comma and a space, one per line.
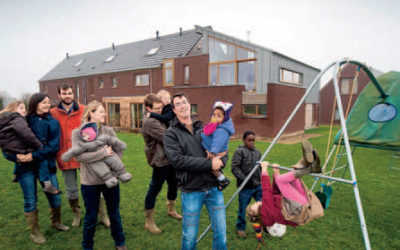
363, 125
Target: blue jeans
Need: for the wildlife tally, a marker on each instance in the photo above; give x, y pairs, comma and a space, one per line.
91, 197
191, 207
245, 196
160, 175
28, 184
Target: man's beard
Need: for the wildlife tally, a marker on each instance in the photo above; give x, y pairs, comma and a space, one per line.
66, 103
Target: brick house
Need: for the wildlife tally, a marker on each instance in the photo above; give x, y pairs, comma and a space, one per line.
346, 81
205, 64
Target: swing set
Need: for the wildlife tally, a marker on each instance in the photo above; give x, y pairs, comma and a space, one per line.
379, 109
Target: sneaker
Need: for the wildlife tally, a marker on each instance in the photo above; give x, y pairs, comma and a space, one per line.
223, 184
307, 148
242, 234
51, 190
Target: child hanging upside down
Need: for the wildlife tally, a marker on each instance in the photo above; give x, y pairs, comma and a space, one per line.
216, 134
288, 201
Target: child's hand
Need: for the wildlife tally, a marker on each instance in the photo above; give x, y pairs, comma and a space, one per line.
275, 169
210, 155
264, 166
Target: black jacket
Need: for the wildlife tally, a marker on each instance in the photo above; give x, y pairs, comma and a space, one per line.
15, 135
185, 152
243, 161
166, 115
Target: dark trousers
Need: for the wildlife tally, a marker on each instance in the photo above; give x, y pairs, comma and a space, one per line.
245, 196
160, 175
91, 196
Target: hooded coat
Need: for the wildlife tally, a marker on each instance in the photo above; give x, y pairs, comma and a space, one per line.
218, 141
15, 135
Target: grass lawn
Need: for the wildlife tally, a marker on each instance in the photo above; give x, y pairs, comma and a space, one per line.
339, 228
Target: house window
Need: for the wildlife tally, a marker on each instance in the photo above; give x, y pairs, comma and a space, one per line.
142, 80
153, 51
114, 115
194, 109
114, 82
101, 83
231, 64
346, 85
186, 74
289, 76
79, 62
77, 89
44, 88
110, 58
137, 111
91, 87
255, 110
168, 71
337, 116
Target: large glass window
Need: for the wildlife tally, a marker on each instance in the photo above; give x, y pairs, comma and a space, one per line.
346, 84
231, 64
246, 75
114, 118
137, 110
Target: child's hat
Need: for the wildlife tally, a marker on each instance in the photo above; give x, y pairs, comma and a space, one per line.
89, 131
226, 106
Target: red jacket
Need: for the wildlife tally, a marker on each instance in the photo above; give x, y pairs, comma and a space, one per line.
68, 122
271, 205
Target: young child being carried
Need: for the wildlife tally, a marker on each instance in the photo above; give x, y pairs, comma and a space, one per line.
167, 114
16, 138
216, 134
90, 141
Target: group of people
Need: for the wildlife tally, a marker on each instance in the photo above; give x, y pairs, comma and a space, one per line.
180, 150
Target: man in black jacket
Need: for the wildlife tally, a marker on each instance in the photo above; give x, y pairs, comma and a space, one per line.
153, 131
182, 144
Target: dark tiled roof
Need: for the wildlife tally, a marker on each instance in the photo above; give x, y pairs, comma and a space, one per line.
129, 56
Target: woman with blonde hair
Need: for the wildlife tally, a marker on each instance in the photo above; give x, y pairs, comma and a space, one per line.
92, 185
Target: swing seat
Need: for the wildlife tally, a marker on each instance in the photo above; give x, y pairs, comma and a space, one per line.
324, 196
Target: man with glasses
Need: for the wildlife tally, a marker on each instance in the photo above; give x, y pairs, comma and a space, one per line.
153, 131
182, 144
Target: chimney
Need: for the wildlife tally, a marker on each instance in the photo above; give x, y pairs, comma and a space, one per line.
67, 55
157, 37
113, 46
248, 35
180, 31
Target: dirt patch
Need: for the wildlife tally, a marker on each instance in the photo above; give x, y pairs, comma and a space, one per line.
291, 138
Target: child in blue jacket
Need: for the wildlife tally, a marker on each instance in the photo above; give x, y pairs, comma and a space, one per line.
216, 134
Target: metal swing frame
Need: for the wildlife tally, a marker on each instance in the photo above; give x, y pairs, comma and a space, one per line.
353, 180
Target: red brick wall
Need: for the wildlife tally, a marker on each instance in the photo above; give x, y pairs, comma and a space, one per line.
198, 70
327, 93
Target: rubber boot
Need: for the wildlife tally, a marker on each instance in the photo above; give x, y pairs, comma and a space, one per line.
149, 222
33, 223
55, 217
103, 214
316, 164
171, 210
307, 148
76, 209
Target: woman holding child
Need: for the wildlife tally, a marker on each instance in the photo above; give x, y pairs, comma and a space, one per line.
34, 157
92, 184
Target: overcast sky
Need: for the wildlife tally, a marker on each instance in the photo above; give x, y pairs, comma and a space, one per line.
35, 35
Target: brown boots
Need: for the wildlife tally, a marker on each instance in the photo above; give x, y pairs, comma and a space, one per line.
76, 209
149, 222
309, 163
171, 210
55, 217
33, 223
103, 213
